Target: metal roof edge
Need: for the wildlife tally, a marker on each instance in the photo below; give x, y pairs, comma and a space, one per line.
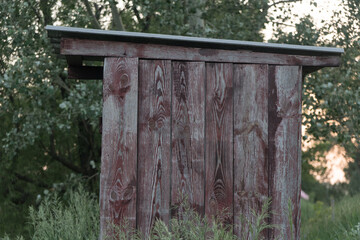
110, 35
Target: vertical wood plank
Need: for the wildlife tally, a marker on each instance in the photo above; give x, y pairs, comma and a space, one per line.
219, 142
119, 143
188, 117
285, 150
154, 143
250, 145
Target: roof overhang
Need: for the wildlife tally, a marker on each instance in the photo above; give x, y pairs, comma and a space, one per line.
78, 44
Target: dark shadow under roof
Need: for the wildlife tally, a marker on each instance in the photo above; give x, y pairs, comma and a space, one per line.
55, 33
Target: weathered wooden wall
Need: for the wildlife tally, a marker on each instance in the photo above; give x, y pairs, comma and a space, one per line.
118, 179
250, 144
284, 150
225, 135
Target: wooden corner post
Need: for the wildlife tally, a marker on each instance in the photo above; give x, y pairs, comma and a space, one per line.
118, 179
284, 157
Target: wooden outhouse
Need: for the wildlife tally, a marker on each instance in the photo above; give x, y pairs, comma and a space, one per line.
217, 121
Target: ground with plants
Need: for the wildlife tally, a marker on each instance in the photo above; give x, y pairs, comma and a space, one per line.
78, 218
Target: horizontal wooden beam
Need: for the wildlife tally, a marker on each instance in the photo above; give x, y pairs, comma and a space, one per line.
83, 47
85, 72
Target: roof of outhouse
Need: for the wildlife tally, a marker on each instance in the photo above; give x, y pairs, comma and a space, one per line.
55, 33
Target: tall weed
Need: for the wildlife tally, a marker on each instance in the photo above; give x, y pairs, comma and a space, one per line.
78, 219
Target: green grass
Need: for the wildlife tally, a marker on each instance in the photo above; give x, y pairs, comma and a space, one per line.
319, 221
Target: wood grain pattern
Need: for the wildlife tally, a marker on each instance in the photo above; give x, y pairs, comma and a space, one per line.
219, 142
188, 115
285, 150
250, 145
154, 143
85, 47
119, 143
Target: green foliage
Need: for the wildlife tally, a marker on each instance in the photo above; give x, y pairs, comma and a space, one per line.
331, 97
77, 218
190, 225
243, 19
56, 219
305, 33
260, 224
50, 124
321, 221
354, 233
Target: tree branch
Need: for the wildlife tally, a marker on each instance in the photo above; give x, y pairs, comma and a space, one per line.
145, 23
94, 21
281, 23
60, 159
30, 180
136, 12
59, 81
38, 14
284, 1
116, 16
45, 7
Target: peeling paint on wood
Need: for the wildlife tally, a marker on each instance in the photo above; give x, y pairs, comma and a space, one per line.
154, 143
285, 150
188, 115
219, 142
250, 145
118, 180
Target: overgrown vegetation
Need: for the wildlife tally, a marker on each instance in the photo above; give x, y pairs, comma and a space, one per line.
78, 219
75, 219
338, 221
49, 131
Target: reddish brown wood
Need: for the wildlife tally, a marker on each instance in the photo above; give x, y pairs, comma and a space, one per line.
119, 143
188, 115
250, 145
285, 150
152, 51
220, 126
219, 142
154, 143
